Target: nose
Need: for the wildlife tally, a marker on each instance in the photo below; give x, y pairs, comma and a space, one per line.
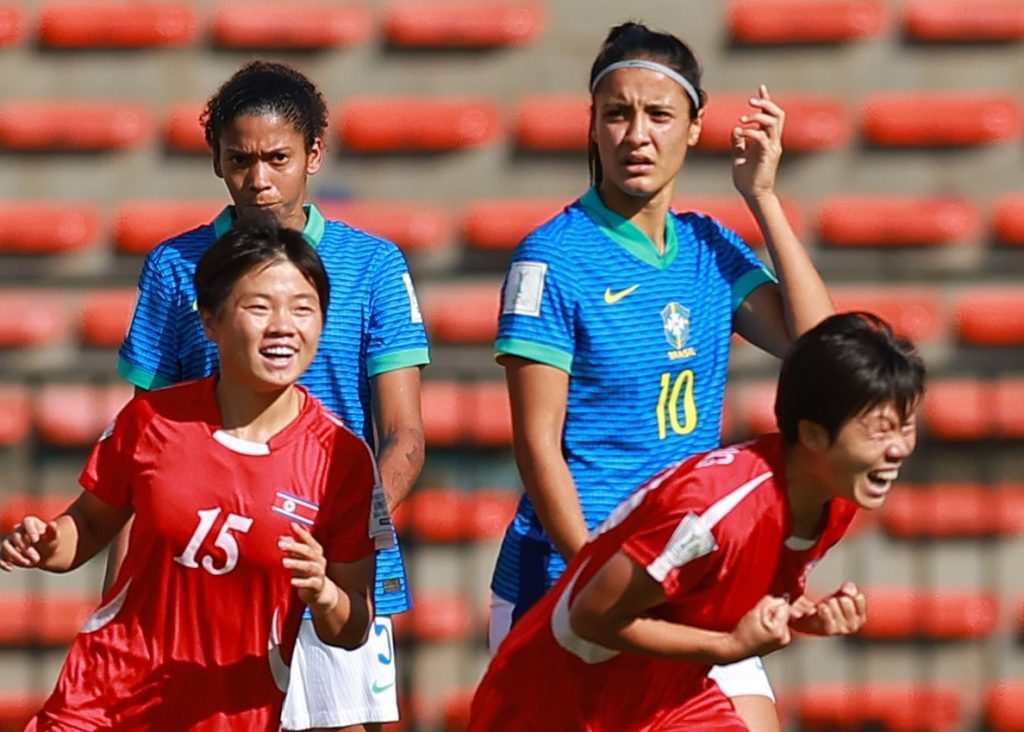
902, 444
281, 322
637, 130
258, 178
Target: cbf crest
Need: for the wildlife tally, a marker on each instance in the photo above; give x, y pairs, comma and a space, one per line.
675, 320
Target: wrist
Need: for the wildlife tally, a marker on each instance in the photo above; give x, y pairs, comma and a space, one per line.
759, 199
326, 600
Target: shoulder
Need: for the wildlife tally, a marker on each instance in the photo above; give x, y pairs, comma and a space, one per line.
554, 239
181, 403
340, 236
705, 228
185, 249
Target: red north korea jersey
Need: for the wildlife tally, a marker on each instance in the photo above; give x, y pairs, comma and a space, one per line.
197, 630
714, 531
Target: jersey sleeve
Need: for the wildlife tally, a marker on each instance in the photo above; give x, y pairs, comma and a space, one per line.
538, 309
148, 357
736, 261
110, 470
356, 522
397, 338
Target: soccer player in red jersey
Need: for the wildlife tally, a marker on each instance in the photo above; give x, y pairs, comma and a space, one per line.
707, 562
251, 502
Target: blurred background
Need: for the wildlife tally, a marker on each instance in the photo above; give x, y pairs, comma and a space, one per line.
458, 126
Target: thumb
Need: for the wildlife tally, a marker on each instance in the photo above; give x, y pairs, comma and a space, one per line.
50, 532
849, 589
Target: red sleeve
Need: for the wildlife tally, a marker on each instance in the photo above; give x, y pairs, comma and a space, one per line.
351, 526
111, 467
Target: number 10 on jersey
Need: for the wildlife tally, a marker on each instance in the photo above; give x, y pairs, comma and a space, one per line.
668, 409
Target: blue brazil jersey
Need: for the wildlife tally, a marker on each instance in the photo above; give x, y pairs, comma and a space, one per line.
645, 339
373, 326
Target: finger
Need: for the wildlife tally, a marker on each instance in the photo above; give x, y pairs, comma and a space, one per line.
302, 533
848, 588
762, 91
33, 528
296, 549
766, 121
738, 143
304, 567
308, 583
767, 106
5, 566
862, 606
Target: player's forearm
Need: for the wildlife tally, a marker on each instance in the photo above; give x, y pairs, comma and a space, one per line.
806, 300
659, 638
65, 548
346, 622
552, 490
400, 460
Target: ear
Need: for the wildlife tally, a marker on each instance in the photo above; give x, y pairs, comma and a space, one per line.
315, 157
209, 324
696, 126
812, 436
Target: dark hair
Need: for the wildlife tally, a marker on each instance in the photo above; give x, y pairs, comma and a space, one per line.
254, 241
846, 364
266, 87
636, 41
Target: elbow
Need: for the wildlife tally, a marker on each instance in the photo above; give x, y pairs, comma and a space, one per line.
587, 625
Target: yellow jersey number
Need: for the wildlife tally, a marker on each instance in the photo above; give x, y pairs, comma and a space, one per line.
672, 392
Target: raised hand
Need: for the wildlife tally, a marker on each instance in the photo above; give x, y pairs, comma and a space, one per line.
764, 629
757, 146
841, 613
305, 558
29, 544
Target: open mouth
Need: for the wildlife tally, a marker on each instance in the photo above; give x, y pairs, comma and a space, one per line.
279, 355
880, 481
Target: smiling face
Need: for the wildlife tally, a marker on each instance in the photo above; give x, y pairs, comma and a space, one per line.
264, 163
642, 130
269, 328
864, 459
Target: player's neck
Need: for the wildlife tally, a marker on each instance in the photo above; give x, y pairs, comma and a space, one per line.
256, 416
647, 213
807, 496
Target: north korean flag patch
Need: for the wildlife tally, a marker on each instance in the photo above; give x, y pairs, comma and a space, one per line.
295, 508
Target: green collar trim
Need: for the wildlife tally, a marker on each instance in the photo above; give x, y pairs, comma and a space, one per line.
313, 231
627, 235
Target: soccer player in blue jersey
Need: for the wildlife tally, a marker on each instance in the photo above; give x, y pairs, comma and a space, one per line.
265, 126
617, 314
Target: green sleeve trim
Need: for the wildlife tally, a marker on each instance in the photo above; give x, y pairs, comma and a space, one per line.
140, 377
748, 283
538, 352
377, 365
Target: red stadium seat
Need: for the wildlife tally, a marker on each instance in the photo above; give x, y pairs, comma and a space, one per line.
419, 24
753, 407
259, 24
490, 416
36, 227
32, 317
1010, 500
503, 224
964, 20
813, 122
415, 227
914, 312
731, 212
436, 617
183, 132
489, 513
443, 404
10, 24
1008, 219
897, 707
70, 415
15, 414
941, 119
1003, 710
105, 316
944, 511
16, 708
141, 225
50, 619
417, 124
106, 24
947, 614
958, 409
72, 125
436, 514
46, 506
1008, 400
990, 316
553, 123
462, 312
759, 22
896, 221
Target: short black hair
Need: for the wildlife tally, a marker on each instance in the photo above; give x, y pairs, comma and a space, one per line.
255, 241
266, 87
634, 40
843, 366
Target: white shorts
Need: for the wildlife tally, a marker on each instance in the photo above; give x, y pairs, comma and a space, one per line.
332, 687
743, 678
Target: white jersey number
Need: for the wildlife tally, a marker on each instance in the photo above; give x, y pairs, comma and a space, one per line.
224, 541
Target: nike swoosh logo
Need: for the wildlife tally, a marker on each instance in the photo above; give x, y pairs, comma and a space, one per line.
610, 298
380, 689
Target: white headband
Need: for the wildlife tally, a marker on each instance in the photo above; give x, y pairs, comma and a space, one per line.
639, 63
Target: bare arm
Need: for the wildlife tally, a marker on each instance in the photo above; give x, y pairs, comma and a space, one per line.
610, 611
539, 394
396, 407
67, 542
773, 316
339, 594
